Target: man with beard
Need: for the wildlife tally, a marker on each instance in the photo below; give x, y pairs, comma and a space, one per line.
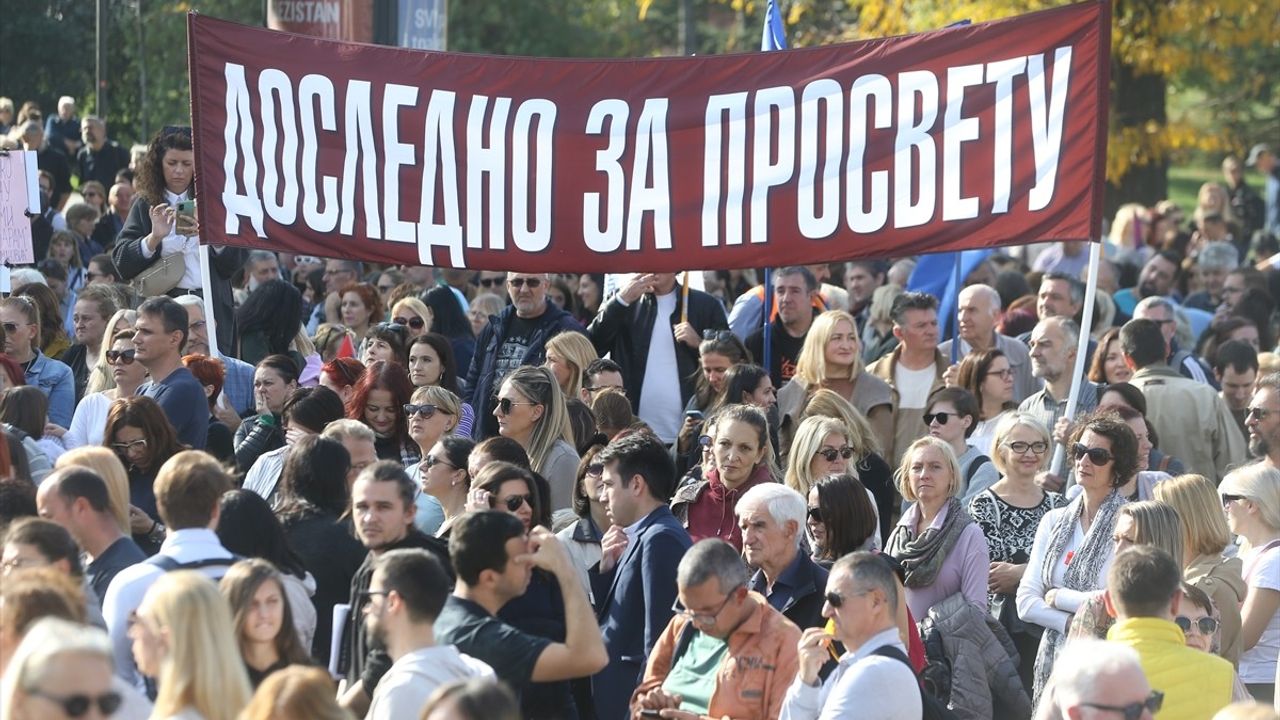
1159, 278
1263, 420
405, 596
794, 289
382, 510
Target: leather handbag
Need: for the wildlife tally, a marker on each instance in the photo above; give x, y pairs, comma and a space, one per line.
163, 276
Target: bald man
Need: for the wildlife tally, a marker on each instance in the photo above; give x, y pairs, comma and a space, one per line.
979, 311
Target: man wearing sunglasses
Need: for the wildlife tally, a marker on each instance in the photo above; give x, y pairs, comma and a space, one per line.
873, 679
1103, 680
1144, 594
1262, 418
516, 336
653, 338
726, 653
1186, 414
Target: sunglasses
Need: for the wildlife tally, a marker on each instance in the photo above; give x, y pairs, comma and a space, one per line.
1038, 447
717, 335
416, 323
595, 470
124, 357
423, 411
431, 461
1097, 456
78, 705
505, 405
1206, 625
1228, 498
835, 599
815, 514
1257, 412
704, 441
1133, 711
830, 454
941, 417
397, 328
490, 282
521, 282
514, 502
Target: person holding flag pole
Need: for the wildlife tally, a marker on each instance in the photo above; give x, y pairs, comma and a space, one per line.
1082, 349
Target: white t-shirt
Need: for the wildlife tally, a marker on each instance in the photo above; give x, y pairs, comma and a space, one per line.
413, 678
1262, 571
913, 385
660, 404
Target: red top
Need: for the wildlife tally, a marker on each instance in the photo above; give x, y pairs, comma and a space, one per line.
712, 514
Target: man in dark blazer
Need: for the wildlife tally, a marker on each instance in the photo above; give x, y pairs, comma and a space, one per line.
627, 328
642, 550
772, 519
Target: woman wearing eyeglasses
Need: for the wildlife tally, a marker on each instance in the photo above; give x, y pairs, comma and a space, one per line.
989, 377
378, 401
155, 230
275, 377
432, 414
531, 410
952, 416
1205, 538
184, 638
1009, 512
1251, 499
414, 315
269, 322
1073, 547
821, 449
141, 436
1201, 623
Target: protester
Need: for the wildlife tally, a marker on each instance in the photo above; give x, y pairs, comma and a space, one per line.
307, 411
743, 460
914, 369
341, 375
477, 699
431, 362
56, 663
100, 374
268, 322
978, 310
530, 409
387, 342
1052, 589
772, 520
1097, 675
144, 441
274, 379
1251, 499
183, 638
795, 290
873, 678
378, 401
728, 653
582, 538
36, 542
568, 357
838, 520
211, 374
413, 315
1108, 366
361, 308
159, 336
433, 415
977, 472
987, 375
21, 322
716, 355
821, 449
1204, 566
94, 305
295, 693
262, 619
108, 467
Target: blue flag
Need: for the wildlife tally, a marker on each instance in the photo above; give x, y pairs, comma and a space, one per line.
936, 274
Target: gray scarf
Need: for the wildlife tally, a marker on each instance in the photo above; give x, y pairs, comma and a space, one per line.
922, 555
1084, 573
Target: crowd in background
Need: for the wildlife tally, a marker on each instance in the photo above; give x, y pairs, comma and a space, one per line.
318, 488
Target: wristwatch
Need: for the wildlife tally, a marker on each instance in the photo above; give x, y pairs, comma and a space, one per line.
156, 533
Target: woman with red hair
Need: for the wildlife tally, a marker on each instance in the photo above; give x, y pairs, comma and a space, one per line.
212, 373
11, 373
341, 375
361, 309
378, 401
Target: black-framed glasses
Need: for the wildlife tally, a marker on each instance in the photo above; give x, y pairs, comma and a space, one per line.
533, 282
717, 335
168, 130
367, 595
126, 447
1004, 374
1254, 412
505, 405
124, 357
513, 502
79, 704
431, 461
1228, 498
416, 323
1038, 447
705, 618
941, 417
1097, 456
1134, 710
489, 282
830, 454
815, 514
595, 470
836, 599
425, 411
1206, 625
396, 328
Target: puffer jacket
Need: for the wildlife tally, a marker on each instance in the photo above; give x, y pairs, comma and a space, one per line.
984, 662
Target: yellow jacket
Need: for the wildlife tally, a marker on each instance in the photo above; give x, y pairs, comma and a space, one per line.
1195, 684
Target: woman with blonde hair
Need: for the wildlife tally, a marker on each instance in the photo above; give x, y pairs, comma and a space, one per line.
483, 307
107, 465
295, 693
830, 360
821, 449
568, 355
100, 374
183, 637
867, 463
413, 314
941, 549
1251, 499
531, 410
1205, 536
433, 414
127, 376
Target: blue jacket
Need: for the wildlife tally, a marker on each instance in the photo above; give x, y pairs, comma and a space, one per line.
636, 610
55, 380
480, 375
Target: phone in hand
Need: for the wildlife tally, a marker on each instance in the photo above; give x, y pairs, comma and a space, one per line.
651, 713
693, 415
187, 207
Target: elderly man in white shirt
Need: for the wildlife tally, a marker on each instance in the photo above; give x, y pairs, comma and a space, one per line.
874, 679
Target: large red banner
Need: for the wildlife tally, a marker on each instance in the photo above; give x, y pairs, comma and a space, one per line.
967, 137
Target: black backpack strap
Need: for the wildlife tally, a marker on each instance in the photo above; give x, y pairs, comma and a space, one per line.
890, 651
168, 563
974, 467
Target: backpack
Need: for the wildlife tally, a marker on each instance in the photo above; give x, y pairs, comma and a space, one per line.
931, 706
169, 564
974, 467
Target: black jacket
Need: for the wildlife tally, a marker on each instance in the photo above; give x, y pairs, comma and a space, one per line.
333, 556
128, 258
806, 583
625, 331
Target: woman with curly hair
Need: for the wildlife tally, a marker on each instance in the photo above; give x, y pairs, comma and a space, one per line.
155, 229
378, 401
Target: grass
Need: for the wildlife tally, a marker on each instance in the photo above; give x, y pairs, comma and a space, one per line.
1185, 182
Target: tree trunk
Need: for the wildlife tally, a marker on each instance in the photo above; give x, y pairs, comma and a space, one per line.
1136, 101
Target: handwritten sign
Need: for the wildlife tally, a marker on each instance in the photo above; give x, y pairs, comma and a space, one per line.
15, 226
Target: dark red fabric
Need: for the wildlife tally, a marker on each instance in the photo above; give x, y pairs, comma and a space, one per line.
568, 208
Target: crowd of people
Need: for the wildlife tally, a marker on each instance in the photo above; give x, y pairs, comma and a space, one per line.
315, 488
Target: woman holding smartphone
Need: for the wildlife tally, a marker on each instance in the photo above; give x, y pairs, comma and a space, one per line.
162, 224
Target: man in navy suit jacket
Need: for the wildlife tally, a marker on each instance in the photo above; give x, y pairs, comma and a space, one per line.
643, 548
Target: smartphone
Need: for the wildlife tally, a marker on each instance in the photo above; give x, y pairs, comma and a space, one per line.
651, 713
187, 207
694, 414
